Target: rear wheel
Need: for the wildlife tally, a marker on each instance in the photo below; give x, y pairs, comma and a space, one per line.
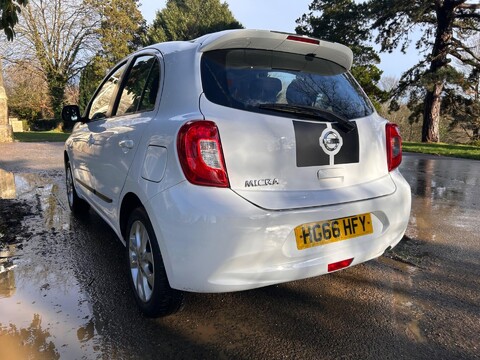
148, 277
76, 204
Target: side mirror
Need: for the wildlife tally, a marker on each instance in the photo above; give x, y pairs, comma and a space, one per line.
71, 113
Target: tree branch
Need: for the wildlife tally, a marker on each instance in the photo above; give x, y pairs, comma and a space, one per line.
469, 6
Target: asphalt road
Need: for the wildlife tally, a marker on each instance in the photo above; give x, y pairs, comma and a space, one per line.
64, 291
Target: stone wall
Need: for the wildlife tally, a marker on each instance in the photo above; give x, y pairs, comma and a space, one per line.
6, 134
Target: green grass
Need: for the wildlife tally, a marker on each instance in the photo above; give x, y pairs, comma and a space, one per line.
453, 150
41, 136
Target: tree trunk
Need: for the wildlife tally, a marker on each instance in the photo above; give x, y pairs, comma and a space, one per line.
443, 37
56, 89
431, 115
476, 134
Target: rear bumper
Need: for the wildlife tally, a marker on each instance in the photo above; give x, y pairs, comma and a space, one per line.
212, 240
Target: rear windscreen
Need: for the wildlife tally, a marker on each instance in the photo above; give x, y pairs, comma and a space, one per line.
247, 79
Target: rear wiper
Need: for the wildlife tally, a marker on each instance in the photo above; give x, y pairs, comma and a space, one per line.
312, 112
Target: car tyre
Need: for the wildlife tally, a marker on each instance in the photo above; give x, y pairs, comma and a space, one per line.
76, 204
148, 277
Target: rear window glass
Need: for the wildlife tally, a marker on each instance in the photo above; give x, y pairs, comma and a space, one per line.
248, 78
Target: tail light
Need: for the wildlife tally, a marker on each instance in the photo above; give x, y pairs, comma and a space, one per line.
394, 146
200, 154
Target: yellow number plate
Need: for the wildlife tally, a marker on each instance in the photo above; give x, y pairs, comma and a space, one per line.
329, 231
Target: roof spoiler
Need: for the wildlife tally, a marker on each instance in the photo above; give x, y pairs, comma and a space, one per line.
277, 41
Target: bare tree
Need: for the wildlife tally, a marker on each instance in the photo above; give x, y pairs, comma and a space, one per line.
388, 83
57, 37
27, 92
400, 113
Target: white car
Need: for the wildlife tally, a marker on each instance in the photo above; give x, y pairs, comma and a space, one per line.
240, 159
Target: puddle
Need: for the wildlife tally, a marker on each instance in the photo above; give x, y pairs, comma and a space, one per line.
407, 310
413, 330
44, 311
442, 188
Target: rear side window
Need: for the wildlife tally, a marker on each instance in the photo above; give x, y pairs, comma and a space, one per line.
248, 79
141, 86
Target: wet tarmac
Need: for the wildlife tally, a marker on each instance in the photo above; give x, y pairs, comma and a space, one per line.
64, 291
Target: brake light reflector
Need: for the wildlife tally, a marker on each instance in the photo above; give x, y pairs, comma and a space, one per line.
303, 39
394, 146
339, 265
200, 153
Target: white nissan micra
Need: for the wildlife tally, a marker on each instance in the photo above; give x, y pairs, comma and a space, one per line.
240, 159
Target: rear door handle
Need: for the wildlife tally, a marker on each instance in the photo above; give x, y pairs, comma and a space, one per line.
128, 144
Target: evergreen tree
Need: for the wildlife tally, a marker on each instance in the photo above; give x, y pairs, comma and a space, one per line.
90, 78
462, 106
121, 31
9, 10
189, 19
344, 21
444, 26
121, 28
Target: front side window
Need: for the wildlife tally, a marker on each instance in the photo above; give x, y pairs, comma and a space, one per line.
141, 86
264, 80
101, 102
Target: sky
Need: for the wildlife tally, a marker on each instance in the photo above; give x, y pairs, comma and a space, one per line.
280, 15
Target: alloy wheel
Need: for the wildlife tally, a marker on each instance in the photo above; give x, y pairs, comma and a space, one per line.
142, 267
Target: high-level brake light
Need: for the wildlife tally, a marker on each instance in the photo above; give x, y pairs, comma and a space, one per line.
303, 39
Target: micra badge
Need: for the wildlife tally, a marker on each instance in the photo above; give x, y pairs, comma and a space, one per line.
261, 182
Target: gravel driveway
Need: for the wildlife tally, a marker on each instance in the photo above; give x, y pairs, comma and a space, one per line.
31, 156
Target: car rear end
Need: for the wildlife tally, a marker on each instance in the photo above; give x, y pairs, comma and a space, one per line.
290, 172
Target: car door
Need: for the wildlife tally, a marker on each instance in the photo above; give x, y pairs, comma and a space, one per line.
83, 149
115, 139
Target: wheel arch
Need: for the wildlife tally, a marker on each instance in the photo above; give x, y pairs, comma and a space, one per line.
129, 203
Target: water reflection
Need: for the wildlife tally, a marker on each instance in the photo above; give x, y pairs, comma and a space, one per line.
7, 185
7, 278
32, 342
37, 280
442, 188
444, 179
86, 332
29, 186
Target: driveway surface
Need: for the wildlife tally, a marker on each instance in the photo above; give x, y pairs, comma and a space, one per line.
64, 291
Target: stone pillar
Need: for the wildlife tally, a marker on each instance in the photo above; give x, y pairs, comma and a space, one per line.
6, 134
